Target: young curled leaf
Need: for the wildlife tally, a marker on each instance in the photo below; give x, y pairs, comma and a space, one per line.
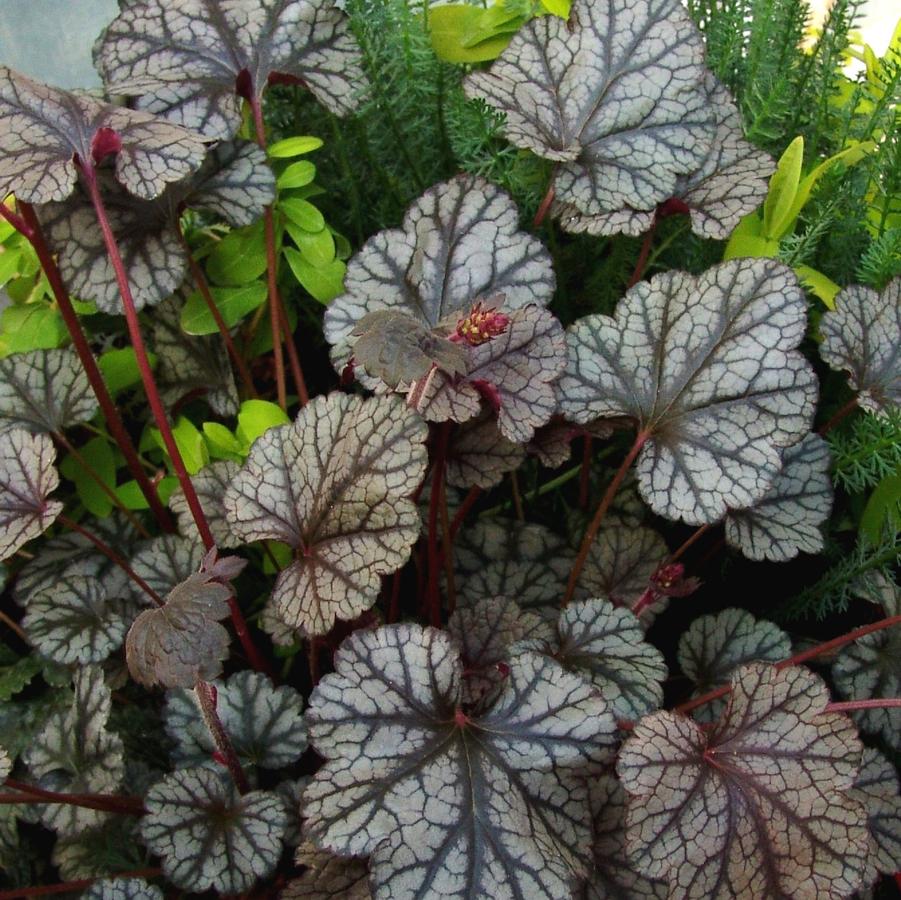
876, 788
789, 518
181, 642
759, 806
512, 812
45, 390
862, 335
210, 837
708, 367
192, 62
613, 95
46, 130
27, 476
335, 486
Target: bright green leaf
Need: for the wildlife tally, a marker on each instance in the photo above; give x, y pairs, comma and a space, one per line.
884, 506
120, 369
131, 496
255, 418
222, 443
190, 443
294, 146
298, 174
9, 264
233, 304
239, 258
783, 190
36, 326
819, 284
302, 213
557, 7
454, 30
748, 240
317, 247
324, 283
98, 455
283, 554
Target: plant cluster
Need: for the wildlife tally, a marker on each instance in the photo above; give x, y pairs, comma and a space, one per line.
268, 623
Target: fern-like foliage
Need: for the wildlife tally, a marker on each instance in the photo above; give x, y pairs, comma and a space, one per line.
865, 451
881, 261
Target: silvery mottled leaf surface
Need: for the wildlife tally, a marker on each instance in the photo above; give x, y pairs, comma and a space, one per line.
27, 476
789, 519
862, 335
328, 877
551, 443
447, 805
44, 390
708, 368
460, 242
714, 646
871, 668
122, 889
234, 182
395, 347
478, 455
613, 877
187, 58
613, 95
6, 763
210, 837
189, 363
876, 788
75, 620
875, 587
515, 371
45, 129
75, 753
181, 642
757, 807
210, 484
335, 486
501, 557
264, 722
164, 562
605, 645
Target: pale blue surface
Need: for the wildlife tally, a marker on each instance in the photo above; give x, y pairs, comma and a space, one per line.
51, 40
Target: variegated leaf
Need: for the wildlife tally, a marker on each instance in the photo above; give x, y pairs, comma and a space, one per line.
45, 130
334, 485
210, 837
708, 368
613, 95
875, 587
328, 877
513, 812
44, 390
164, 562
193, 60
209, 484
27, 476
876, 788
759, 806
862, 335
789, 518
122, 889
551, 443
478, 455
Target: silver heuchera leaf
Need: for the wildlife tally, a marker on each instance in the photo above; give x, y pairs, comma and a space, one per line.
45, 390
27, 476
876, 789
122, 889
76, 621
606, 646
551, 443
862, 335
210, 484
512, 813
730, 183
334, 485
193, 60
46, 129
478, 455
263, 722
164, 562
188, 363
875, 587
613, 95
500, 557
6, 763
757, 807
328, 877
708, 368
234, 182
460, 242
514, 371
714, 646
789, 518
210, 837
75, 753
871, 668
181, 642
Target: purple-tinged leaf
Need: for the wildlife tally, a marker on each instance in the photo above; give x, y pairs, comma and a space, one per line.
328, 877
788, 519
27, 476
44, 390
208, 836
210, 484
478, 455
876, 788
862, 335
759, 806
334, 485
500, 557
193, 60
459, 243
613, 95
512, 812
46, 129
164, 562
552, 442
708, 368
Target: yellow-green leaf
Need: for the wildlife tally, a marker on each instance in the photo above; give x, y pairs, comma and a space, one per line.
818, 284
322, 282
454, 31
233, 304
783, 189
294, 146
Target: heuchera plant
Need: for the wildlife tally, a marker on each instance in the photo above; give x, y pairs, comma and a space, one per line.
269, 636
